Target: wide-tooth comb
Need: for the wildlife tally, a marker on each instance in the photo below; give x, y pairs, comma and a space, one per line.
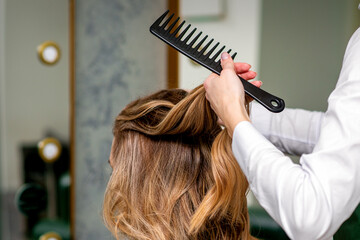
175, 39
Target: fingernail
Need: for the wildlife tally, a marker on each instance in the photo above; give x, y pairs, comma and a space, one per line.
224, 56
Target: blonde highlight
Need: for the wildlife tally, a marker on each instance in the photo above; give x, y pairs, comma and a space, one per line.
174, 174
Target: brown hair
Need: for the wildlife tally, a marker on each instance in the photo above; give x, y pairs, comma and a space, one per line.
174, 174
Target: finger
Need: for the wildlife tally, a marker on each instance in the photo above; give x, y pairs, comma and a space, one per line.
220, 122
209, 79
241, 67
206, 84
212, 76
226, 62
248, 75
257, 83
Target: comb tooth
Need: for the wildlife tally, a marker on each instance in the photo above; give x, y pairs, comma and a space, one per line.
183, 32
234, 55
189, 36
229, 51
194, 40
211, 51
218, 52
200, 43
161, 18
201, 54
172, 25
178, 28
167, 21
206, 46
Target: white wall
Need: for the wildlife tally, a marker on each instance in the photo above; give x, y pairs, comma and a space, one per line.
2, 24
2, 87
34, 97
238, 29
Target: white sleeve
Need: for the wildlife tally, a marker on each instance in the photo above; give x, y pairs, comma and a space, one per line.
293, 131
311, 200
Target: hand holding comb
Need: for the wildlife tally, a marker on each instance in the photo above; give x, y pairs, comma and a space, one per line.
174, 39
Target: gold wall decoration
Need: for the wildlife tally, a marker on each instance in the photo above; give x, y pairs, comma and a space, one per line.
49, 52
49, 149
50, 236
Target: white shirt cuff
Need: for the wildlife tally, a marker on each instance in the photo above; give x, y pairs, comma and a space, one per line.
245, 139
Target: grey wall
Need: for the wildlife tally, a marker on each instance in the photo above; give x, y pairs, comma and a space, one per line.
117, 60
302, 46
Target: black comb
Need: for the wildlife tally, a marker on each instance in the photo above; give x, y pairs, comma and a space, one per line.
174, 39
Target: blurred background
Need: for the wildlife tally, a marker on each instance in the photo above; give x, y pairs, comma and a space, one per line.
67, 68
34, 106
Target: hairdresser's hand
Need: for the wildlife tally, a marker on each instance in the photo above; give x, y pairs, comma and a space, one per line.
226, 92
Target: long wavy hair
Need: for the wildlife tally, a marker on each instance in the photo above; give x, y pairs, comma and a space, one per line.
174, 174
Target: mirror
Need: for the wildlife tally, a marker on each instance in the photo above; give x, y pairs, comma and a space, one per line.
35, 119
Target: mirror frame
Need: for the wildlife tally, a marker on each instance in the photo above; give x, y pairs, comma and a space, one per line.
172, 54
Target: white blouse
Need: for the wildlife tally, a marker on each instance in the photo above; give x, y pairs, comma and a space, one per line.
312, 199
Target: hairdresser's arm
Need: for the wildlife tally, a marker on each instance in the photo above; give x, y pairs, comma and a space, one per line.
231, 107
310, 200
293, 131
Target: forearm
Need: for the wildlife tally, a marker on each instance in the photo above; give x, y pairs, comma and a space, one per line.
235, 113
303, 199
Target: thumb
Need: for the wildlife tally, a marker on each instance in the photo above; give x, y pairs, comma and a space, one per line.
226, 61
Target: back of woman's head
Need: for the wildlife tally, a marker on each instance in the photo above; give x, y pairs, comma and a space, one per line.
174, 175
